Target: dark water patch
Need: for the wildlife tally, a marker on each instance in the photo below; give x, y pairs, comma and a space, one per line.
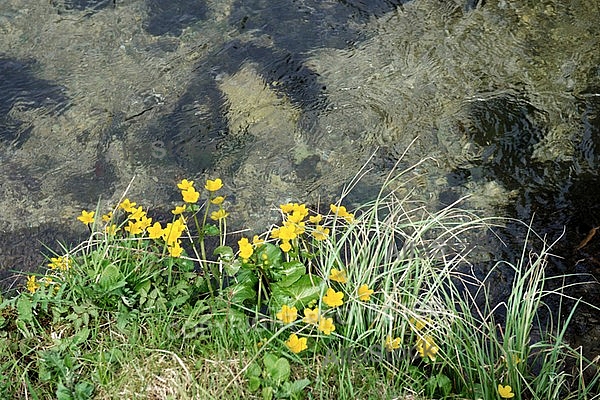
507, 130
171, 17
88, 187
25, 250
21, 91
192, 134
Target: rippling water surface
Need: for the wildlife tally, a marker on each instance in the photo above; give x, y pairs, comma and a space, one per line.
286, 102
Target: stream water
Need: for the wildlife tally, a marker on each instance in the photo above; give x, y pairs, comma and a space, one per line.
285, 101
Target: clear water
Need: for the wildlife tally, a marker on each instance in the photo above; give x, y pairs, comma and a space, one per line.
286, 100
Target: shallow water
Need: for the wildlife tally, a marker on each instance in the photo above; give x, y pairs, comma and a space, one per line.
287, 102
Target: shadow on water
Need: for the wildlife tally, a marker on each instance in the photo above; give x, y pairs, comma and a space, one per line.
21, 91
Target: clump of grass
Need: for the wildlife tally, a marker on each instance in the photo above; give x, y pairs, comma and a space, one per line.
382, 302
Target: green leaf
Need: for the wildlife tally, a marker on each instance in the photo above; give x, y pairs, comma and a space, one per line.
281, 372
84, 391
232, 268
225, 253
269, 361
289, 273
271, 253
239, 292
254, 383
298, 386
267, 393
25, 309
302, 292
211, 230
63, 392
110, 277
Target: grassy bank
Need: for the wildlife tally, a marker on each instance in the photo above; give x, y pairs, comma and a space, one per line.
378, 303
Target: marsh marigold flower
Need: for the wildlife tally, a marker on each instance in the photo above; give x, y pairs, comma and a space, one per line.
107, 217
285, 246
178, 210
426, 347
333, 298
505, 392
127, 205
296, 344
364, 293
87, 217
217, 200
246, 248
392, 344
175, 250
155, 231
320, 233
185, 184
315, 219
190, 195
32, 284
287, 314
326, 325
60, 263
213, 186
311, 316
217, 215
340, 211
338, 275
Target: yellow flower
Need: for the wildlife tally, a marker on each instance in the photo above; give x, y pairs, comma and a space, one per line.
190, 195
296, 344
173, 231
175, 250
320, 233
326, 325
178, 210
86, 217
418, 323
218, 200
311, 316
185, 184
213, 186
505, 392
338, 275
107, 217
155, 231
134, 228
127, 205
32, 285
287, 208
257, 240
287, 314
427, 347
285, 247
287, 232
333, 298
392, 344
61, 263
144, 222
217, 215
315, 219
364, 293
136, 213
111, 229
246, 249
341, 212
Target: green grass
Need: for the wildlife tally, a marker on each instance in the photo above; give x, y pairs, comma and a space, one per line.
126, 320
